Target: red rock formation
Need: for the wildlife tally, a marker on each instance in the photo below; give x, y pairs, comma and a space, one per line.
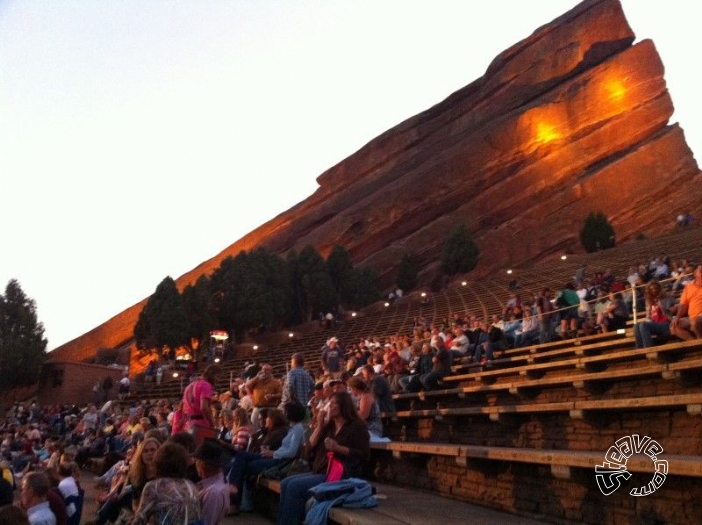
572, 119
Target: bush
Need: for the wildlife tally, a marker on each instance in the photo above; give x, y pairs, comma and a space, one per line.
407, 272
460, 252
597, 233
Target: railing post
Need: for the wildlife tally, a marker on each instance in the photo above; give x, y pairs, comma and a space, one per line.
633, 303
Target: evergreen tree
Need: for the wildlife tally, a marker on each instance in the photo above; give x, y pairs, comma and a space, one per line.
226, 282
251, 292
340, 269
163, 321
597, 232
407, 272
22, 342
460, 253
312, 287
197, 301
264, 299
364, 287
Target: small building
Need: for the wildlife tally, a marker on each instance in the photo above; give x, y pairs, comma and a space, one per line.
70, 382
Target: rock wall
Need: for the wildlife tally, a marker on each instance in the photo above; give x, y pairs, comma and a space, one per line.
572, 119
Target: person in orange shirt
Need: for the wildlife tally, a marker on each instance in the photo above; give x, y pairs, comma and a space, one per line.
687, 323
265, 390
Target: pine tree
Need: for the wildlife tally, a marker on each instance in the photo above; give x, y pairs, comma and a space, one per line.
163, 321
407, 272
597, 232
460, 253
22, 342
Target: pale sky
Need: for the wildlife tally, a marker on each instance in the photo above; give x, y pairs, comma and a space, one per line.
140, 138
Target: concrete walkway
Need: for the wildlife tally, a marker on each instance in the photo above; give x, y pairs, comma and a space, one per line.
396, 506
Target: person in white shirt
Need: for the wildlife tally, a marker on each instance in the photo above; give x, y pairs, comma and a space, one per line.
68, 487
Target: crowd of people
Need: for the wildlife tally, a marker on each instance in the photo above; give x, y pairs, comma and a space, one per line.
190, 460
197, 458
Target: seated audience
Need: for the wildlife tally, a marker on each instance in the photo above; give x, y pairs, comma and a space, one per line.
345, 437
170, 498
212, 489
616, 313
687, 323
528, 333
35, 486
657, 316
366, 406
441, 366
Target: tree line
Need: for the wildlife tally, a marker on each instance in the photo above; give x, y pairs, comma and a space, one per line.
253, 291
260, 291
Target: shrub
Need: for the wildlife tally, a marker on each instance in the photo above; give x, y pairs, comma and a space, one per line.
597, 233
460, 252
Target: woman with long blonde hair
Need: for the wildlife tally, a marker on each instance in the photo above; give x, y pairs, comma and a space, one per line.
241, 429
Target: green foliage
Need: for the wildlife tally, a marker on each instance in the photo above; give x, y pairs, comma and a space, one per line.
251, 292
597, 233
312, 287
199, 310
460, 253
22, 342
163, 321
364, 286
340, 268
407, 272
265, 297
255, 291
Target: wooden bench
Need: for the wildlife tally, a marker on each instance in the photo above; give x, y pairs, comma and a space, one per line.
657, 353
561, 461
528, 387
546, 350
400, 506
534, 355
576, 409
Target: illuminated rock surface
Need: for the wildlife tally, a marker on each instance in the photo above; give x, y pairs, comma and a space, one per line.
572, 119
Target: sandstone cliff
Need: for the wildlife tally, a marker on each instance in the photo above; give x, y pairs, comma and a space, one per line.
572, 119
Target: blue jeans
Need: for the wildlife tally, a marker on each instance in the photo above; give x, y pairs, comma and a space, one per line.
237, 471
293, 497
526, 338
545, 331
254, 468
487, 345
643, 332
431, 380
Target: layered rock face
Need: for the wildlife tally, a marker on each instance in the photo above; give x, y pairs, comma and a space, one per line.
570, 120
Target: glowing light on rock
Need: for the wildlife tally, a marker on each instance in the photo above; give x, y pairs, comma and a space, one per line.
546, 133
615, 90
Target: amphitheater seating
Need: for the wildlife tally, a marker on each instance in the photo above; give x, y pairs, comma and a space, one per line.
680, 465
526, 433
